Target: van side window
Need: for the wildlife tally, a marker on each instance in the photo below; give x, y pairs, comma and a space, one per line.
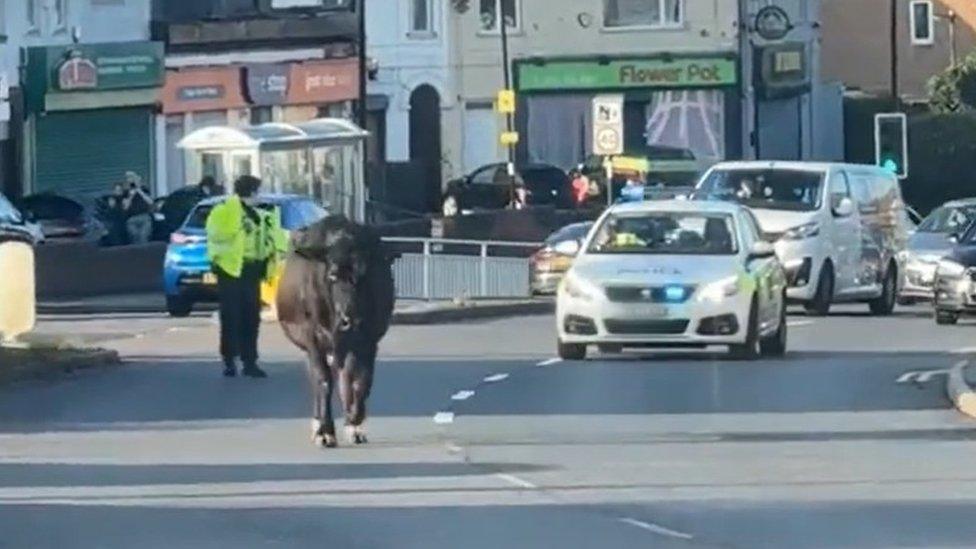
840, 188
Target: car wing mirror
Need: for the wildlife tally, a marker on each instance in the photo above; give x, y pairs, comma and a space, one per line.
844, 208
568, 248
761, 250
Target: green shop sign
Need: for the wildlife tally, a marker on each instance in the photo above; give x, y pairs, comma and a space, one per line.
626, 74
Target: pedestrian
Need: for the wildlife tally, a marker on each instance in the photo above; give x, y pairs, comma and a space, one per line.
138, 209
581, 187
115, 217
244, 244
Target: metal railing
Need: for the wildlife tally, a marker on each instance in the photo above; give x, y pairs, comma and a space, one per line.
438, 268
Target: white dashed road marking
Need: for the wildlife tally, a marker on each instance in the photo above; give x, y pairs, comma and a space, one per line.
660, 530
549, 362
799, 323
462, 395
496, 378
514, 480
444, 418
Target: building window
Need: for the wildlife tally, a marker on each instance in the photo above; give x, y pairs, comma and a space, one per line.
922, 23
489, 17
421, 17
31, 15
60, 14
642, 13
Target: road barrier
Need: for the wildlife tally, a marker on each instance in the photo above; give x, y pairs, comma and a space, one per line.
432, 268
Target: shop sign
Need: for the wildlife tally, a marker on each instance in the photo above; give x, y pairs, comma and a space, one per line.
317, 82
267, 84
201, 93
107, 66
627, 73
77, 73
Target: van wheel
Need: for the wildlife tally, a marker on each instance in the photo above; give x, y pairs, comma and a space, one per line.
820, 304
946, 318
178, 306
750, 350
775, 345
885, 304
571, 351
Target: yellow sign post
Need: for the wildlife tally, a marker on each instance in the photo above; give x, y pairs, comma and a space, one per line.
506, 102
509, 139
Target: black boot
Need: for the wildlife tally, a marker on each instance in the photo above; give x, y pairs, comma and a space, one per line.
230, 369
252, 370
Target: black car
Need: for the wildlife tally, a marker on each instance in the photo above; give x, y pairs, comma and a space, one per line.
955, 279
490, 188
61, 218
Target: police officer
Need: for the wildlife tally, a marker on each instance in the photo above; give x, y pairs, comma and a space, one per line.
244, 244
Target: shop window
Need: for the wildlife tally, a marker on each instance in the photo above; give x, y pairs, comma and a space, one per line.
688, 122
642, 13
31, 13
261, 115
421, 17
489, 15
922, 23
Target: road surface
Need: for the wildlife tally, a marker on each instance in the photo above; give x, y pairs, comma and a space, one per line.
479, 438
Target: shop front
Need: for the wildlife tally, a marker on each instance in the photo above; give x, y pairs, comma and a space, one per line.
90, 111
675, 108
248, 94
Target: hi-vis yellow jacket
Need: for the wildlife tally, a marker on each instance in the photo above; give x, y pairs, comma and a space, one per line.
233, 238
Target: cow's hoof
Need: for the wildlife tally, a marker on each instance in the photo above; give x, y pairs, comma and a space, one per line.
326, 441
316, 430
360, 438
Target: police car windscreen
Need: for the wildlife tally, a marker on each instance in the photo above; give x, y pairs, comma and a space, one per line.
771, 189
666, 233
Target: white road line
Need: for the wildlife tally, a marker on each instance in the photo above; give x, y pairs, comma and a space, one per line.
454, 448
496, 378
924, 376
512, 479
549, 362
965, 351
660, 530
799, 323
444, 418
906, 377
462, 395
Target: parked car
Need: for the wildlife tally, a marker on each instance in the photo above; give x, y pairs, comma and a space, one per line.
13, 226
674, 273
490, 188
931, 241
839, 228
670, 172
61, 218
169, 212
955, 279
548, 265
187, 275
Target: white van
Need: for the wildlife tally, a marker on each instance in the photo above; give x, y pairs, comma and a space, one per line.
838, 228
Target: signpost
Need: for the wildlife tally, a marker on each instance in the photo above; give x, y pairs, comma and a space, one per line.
608, 133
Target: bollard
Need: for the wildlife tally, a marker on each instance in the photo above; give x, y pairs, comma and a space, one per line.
17, 290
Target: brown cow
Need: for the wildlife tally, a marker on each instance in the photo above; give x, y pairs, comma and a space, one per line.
335, 302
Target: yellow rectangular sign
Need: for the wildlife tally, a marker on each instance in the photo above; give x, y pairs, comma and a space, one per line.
509, 138
506, 102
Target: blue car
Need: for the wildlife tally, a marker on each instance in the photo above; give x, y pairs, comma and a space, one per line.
187, 277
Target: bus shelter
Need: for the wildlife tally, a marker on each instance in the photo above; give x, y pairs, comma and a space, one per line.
322, 158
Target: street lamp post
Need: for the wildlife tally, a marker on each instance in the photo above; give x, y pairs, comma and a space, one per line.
506, 70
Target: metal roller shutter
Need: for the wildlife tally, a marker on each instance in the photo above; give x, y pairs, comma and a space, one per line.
84, 153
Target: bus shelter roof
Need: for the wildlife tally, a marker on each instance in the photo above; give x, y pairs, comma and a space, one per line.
273, 135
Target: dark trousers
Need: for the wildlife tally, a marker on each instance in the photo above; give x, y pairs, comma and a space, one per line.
240, 312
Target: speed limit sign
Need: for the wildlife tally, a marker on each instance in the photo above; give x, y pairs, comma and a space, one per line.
608, 125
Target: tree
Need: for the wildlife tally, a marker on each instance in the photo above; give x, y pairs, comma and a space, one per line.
954, 90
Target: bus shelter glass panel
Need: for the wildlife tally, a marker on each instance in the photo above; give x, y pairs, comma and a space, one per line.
285, 171
330, 178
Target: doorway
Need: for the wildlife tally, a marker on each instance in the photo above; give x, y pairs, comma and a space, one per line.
425, 141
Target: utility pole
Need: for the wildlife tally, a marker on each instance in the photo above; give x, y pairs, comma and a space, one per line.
361, 47
506, 70
893, 6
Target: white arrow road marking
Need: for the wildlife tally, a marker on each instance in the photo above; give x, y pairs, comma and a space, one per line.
656, 529
444, 418
462, 395
924, 376
496, 378
512, 479
549, 362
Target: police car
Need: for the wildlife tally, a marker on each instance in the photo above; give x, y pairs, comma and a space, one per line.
674, 273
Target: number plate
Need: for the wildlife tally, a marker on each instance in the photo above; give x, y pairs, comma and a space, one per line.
651, 311
209, 278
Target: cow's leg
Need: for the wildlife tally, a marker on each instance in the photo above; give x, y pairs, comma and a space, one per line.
357, 381
323, 426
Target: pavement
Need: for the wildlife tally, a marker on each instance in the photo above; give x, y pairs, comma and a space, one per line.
480, 438
407, 311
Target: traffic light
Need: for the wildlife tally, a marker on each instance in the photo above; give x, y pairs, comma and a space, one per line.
891, 143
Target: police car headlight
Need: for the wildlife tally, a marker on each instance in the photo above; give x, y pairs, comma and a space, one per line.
950, 268
579, 288
720, 290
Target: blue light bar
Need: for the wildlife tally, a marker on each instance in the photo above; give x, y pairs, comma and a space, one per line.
674, 294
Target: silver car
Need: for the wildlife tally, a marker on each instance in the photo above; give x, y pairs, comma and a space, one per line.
931, 242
